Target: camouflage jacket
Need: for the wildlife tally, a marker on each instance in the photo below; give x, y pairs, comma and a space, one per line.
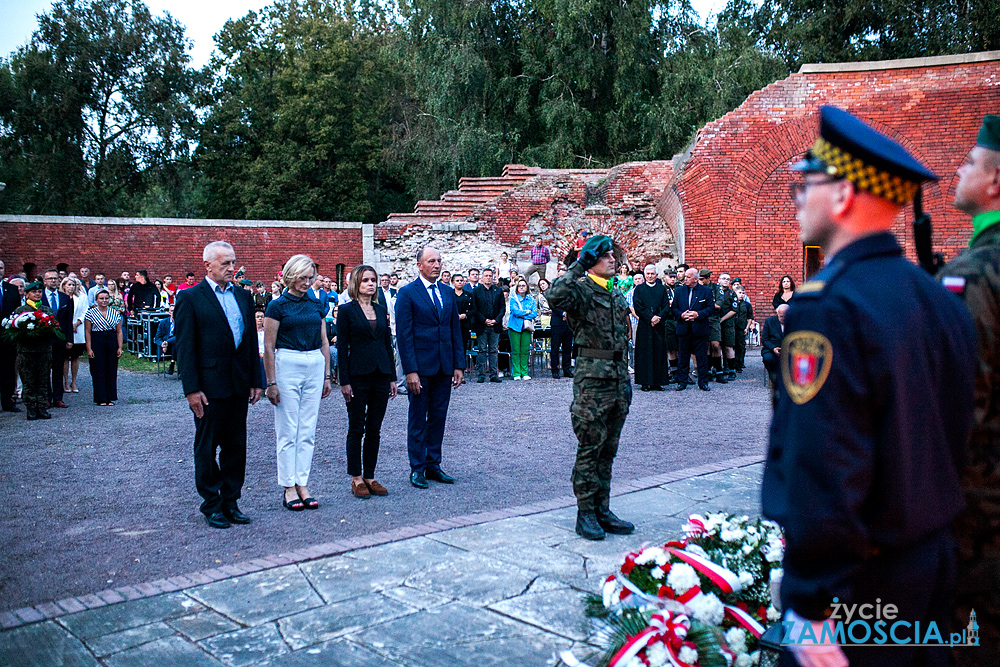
599, 320
975, 276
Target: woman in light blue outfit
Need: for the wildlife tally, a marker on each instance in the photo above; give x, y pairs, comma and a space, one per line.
520, 328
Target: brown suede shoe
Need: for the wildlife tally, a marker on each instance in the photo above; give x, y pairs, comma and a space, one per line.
360, 490
376, 488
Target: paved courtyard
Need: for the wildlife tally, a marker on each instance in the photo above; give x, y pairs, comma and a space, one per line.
494, 593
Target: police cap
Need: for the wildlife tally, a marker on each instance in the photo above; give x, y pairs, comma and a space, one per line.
849, 148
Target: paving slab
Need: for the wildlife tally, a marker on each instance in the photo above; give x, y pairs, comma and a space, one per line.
168, 652
125, 615
417, 598
473, 578
259, 597
454, 623
330, 621
341, 578
105, 645
707, 487
417, 553
559, 612
43, 644
338, 653
246, 646
536, 649
203, 624
506, 532
561, 565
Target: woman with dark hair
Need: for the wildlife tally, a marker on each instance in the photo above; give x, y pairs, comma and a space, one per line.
103, 334
786, 288
367, 377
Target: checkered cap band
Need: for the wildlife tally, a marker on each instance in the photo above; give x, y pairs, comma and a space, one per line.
865, 176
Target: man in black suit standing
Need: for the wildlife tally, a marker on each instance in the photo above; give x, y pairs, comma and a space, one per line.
62, 306
429, 336
10, 300
770, 340
693, 305
218, 362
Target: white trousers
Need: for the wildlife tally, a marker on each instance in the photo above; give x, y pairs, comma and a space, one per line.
300, 386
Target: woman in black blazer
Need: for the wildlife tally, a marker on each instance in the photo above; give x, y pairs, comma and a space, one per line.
367, 377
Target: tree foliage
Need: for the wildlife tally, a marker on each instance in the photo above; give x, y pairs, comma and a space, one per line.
351, 109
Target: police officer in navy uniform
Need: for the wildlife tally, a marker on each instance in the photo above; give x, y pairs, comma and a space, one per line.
874, 407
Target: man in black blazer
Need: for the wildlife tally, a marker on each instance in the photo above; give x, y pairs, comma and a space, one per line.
488, 308
429, 337
693, 305
218, 362
770, 340
62, 306
10, 300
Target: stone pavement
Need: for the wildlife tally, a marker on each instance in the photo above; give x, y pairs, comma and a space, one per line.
484, 589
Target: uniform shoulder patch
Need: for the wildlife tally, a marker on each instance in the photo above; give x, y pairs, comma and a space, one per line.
811, 287
954, 284
806, 359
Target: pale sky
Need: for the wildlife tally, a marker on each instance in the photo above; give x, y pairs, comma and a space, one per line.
201, 18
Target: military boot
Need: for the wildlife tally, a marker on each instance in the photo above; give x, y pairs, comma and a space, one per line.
32, 414
612, 524
587, 525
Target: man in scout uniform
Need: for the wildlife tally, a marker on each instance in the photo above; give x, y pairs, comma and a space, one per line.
602, 391
727, 315
34, 358
744, 315
714, 327
873, 411
975, 276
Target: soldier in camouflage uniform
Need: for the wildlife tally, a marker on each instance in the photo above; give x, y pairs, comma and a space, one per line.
602, 391
34, 359
975, 276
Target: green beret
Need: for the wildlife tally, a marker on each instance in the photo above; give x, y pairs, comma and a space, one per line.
246, 282
705, 273
38, 284
989, 133
597, 244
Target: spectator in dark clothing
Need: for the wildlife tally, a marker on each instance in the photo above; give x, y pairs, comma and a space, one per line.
142, 294
786, 288
463, 299
770, 341
562, 342
488, 308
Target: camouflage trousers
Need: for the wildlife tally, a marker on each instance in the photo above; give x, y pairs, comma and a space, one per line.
977, 531
35, 369
598, 414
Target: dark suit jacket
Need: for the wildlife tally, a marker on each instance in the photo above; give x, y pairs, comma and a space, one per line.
64, 314
360, 350
163, 334
703, 302
770, 335
10, 299
429, 339
487, 304
207, 361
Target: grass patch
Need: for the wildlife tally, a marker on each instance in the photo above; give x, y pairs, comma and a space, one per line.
134, 364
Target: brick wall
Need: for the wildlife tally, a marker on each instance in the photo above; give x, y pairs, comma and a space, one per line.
115, 245
732, 185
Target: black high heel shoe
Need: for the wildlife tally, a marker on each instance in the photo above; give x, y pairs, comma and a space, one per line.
295, 505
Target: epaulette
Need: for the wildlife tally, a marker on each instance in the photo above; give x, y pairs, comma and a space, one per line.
812, 287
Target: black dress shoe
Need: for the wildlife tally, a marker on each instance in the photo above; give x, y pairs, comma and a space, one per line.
234, 515
612, 524
12, 408
567, 374
438, 476
418, 480
681, 386
587, 526
42, 413
656, 388
481, 379
32, 414
495, 379
704, 387
555, 374
721, 378
217, 520
644, 388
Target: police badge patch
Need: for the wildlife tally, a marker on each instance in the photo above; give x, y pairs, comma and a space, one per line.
806, 358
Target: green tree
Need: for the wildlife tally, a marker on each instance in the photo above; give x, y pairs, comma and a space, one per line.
95, 108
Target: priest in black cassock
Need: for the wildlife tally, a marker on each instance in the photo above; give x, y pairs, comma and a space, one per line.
651, 304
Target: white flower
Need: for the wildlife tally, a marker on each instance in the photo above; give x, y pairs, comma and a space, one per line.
634, 662
657, 573
777, 573
743, 660
682, 578
648, 555
662, 559
688, 655
707, 609
752, 530
733, 535
755, 657
696, 550
737, 639
746, 579
773, 614
608, 592
657, 655
747, 549
31, 325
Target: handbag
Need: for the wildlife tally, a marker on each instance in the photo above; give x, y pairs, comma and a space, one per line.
529, 325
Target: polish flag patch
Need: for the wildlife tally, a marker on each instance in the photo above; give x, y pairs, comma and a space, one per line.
954, 284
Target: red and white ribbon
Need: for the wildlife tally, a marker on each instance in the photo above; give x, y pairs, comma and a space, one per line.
745, 620
720, 576
664, 626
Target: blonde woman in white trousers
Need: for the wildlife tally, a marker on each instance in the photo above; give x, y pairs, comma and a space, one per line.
297, 366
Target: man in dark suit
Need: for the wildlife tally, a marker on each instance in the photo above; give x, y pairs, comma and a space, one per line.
62, 306
386, 293
166, 336
10, 300
770, 340
429, 337
693, 305
218, 361
488, 308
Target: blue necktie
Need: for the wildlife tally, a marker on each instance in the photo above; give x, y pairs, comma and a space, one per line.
54, 301
437, 296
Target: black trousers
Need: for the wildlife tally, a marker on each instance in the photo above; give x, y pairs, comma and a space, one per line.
741, 348
562, 348
104, 365
222, 429
59, 353
687, 345
8, 376
365, 413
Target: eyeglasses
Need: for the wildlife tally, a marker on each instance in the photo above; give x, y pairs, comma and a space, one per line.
798, 189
